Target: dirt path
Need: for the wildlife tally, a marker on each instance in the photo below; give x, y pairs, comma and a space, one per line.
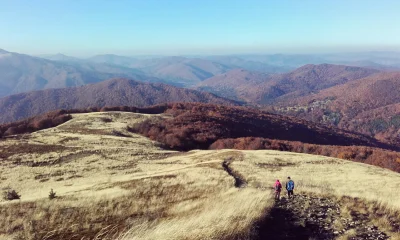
239, 180
310, 217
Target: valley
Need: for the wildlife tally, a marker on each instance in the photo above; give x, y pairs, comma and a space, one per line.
199, 120
355, 97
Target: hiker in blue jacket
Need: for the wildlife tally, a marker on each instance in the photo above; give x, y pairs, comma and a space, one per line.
290, 187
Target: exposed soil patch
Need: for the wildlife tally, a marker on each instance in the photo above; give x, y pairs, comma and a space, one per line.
51, 162
67, 139
25, 148
118, 134
310, 217
277, 166
128, 165
54, 174
86, 130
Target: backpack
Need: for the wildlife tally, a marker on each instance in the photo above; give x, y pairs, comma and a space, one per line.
290, 185
278, 187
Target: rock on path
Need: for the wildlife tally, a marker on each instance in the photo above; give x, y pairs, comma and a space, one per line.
311, 217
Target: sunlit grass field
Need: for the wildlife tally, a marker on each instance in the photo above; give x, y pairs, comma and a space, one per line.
112, 184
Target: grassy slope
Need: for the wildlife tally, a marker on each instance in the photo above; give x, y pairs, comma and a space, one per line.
110, 185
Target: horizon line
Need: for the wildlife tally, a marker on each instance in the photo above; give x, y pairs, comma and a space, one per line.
251, 53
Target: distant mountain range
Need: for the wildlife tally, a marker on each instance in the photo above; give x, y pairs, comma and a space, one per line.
23, 73
190, 71
354, 91
238, 84
115, 92
354, 98
369, 105
267, 89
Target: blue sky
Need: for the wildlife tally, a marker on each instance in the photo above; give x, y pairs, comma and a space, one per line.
130, 27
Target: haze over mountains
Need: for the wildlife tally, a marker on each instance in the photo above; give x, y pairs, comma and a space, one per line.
22, 73
262, 88
354, 91
115, 92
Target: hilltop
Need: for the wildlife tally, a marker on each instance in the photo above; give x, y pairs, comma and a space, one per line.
113, 184
206, 126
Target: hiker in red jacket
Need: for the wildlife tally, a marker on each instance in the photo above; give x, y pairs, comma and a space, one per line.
278, 188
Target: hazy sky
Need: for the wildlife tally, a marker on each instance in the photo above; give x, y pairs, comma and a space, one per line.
129, 27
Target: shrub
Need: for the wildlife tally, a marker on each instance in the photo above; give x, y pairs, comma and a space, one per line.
52, 194
10, 195
118, 134
106, 120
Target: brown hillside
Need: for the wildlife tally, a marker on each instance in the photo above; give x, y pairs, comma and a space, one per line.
115, 92
207, 126
238, 84
261, 88
316, 77
197, 126
370, 105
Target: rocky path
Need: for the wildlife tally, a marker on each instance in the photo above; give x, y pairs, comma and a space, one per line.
311, 217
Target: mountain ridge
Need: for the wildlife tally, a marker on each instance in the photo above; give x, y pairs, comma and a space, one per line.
267, 89
369, 105
113, 92
24, 73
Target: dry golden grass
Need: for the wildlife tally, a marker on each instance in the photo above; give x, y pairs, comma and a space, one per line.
360, 188
322, 175
112, 184
230, 215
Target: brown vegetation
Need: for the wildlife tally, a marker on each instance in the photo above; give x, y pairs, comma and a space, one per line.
33, 124
58, 117
114, 92
370, 106
197, 126
204, 126
129, 188
369, 155
257, 88
10, 195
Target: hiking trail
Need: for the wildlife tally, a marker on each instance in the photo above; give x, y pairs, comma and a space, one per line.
310, 217
239, 180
